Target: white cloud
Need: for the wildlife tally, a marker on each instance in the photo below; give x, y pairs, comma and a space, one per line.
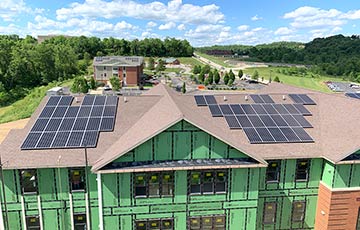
243, 27
10, 9
151, 24
181, 27
283, 31
256, 18
353, 15
167, 26
174, 11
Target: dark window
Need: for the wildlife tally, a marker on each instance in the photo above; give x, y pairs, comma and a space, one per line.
273, 172
302, 170
269, 212
207, 222
28, 181
104, 67
32, 222
298, 211
77, 179
154, 224
80, 221
207, 182
154, 184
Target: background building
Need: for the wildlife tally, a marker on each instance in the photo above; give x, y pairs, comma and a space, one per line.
128, 69
169, 161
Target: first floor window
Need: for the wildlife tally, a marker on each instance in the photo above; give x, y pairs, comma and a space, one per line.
207, 222
269, 212
298, 211
154, 184
155, 224
273, 172
77, 179
207, 182
302, 170
32, 222
79, 221
28, 181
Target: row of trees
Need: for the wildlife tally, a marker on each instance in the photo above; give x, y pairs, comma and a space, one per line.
208, 76
336, 55
25, 64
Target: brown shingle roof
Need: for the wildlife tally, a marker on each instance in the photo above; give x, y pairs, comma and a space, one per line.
335, 119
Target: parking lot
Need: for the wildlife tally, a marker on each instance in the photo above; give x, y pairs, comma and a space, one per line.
343, 87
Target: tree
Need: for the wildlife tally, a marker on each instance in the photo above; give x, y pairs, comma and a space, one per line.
231, 75
196, 69
115, 83
226, 78
240, 73
80, 85
206, 69
255, 76
160, 66
151, 64
183, 88
210, 78
201, 77
216, 77
276, 79
231, 82
92, 83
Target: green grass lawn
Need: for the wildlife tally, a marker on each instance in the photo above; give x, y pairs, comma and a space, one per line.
25, 107
190, 61
315, 83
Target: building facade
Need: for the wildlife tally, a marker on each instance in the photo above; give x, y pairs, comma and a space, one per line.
128, 69
168, 167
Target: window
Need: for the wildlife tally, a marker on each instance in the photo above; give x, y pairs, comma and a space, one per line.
155, 224
32, 222
207, 222
269, 212
115, 68
124, 68
104, 67
80, 221
154, 184
273, 172
298, 211
77, 179
207, 182
302, 170
28, 181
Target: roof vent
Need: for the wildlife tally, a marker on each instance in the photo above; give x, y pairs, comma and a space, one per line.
125, 99
284, 97
77, 100
225, 99
246, 98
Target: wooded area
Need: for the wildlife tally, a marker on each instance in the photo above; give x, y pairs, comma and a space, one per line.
25, 64
336, 55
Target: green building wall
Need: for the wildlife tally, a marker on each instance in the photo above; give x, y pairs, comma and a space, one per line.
243, 204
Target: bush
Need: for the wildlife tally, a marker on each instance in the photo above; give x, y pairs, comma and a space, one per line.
100, 84
92, 83
115, 83
276, 79
80, 85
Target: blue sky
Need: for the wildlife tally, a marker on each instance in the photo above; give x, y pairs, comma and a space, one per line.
202, 22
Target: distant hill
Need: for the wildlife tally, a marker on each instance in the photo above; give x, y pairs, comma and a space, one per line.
337, 55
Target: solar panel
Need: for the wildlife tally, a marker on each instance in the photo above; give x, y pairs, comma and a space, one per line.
279, 121
265, 135
225, 109
353, 95
215, 110
232, 122
244, 121
291, 109
259, 109
270, 109
290, 134
256, 121
290, 120
280, 109
61, 125
252, 135
248, 109
200, 100
302, 121
302, 99
302, 134
277, 134
236, 108
261, 98
268, 122
301, 108
210, 99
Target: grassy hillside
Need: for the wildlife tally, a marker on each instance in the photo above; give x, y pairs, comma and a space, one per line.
26, 106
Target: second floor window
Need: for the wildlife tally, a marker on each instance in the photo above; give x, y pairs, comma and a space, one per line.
269, 213
28, 181
77, 179
207, 182
155, 224
154, 184
79, 221
298, 211
302, 170
273, 172
207, 222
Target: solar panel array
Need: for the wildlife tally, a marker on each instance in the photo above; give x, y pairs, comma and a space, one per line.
205, 100
261, 98
61, 125
353, 95
302, 99
265, 121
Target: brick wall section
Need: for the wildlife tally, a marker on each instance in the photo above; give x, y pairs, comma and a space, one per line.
340, 209
133, 75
